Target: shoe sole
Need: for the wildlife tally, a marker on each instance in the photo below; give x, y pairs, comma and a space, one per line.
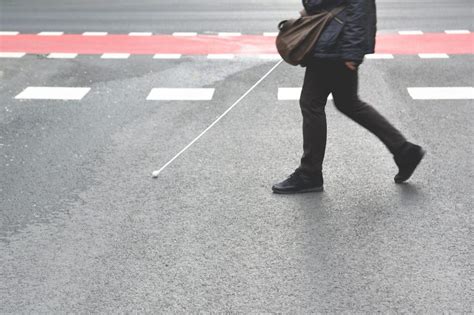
308, 190
401, 181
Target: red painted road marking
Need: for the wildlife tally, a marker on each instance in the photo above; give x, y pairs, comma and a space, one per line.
431, 43
212, 44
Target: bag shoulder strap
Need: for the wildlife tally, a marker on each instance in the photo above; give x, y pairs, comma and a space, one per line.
336, 11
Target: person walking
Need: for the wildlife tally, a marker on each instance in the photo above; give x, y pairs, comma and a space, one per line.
333, 68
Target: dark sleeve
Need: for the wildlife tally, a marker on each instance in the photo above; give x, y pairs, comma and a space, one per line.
355, 31
312, 6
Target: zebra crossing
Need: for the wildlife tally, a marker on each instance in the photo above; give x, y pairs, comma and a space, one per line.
224, 34
207, 94
53, 93
213, 56
194, 93
218, 45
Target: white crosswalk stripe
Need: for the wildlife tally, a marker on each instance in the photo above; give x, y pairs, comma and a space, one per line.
379, 56
140, 33
229, 34
9, 33
94, 33
441, 93
167, 56
53, 93
12, 54
292, 94
62, 55
184, 34
289, 94
433, 56
457, 32
181, 94
50, 33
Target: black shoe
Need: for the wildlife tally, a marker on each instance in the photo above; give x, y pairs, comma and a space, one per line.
407, 160
299, 183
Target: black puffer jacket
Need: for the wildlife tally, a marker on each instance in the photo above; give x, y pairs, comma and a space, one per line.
351, 34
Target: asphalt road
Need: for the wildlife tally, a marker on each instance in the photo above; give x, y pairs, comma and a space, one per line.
248, 16
84, 228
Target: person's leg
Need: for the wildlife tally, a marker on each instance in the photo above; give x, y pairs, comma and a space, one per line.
344, 89
312, 103
308, 176
345, 92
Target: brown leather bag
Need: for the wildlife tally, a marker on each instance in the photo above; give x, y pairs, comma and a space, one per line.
297, 37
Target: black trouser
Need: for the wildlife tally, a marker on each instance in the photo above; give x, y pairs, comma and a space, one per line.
323, 77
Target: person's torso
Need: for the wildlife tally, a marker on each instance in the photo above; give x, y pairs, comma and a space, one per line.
328, 44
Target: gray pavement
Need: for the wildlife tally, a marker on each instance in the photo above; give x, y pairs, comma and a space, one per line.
249, 16
84, 228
